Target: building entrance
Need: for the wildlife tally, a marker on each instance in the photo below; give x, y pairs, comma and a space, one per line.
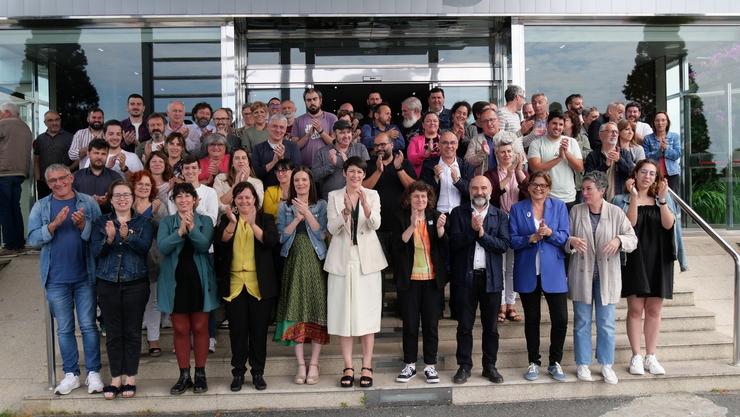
337, 94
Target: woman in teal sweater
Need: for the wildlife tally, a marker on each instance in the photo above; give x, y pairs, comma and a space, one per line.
186, 286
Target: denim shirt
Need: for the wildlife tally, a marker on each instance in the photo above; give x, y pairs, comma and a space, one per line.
286, 215
672, 154
122, 260
623, 201
39, 235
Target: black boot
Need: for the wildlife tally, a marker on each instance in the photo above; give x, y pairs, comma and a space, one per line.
200, 386
183, 383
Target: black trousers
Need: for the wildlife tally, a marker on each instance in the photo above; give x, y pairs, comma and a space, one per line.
420, 302
466, 304
249, 319
122, 305
557, 303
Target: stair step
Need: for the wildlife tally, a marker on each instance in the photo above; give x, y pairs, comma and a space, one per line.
153, 394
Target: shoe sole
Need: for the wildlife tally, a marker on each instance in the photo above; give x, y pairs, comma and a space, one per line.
94, 391
405, 380
589, 379
632, 372
57, 392
433, 381
531, 378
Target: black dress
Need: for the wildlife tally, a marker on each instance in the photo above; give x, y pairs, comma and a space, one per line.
188, 290
648, 271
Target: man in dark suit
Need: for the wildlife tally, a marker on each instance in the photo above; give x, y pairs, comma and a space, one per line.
478, 236
448, 174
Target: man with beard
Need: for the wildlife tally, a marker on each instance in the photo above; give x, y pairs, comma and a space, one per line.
118, 160
574, 102
155, 127
611, 155
202, 126
50, 147
614, 113
382, 123
478, 236
437, 106
135, 131
287, 108
373, 99
411, 112
389, 174
633, 112
328, 163
96, 178
78, 149
448, 174
312, 131
560, 155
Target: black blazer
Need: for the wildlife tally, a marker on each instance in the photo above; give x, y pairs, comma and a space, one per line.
403, 252
223, 254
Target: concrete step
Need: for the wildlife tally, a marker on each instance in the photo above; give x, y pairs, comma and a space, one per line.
673, 346
153, 394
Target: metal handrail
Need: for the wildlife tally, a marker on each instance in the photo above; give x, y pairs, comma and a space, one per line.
732, 252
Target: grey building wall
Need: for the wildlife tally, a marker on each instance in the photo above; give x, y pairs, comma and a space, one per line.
25, 9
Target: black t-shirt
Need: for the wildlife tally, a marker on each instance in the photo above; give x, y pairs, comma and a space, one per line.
390, 189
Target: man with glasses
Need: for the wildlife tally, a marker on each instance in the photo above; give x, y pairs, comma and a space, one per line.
560, 156
610, 155
60, 224
480, 154
448, 174
509, 115
50, 147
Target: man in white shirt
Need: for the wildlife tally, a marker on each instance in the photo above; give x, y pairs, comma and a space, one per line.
509, 115
633, 112
448, 174
560, 155
121, 161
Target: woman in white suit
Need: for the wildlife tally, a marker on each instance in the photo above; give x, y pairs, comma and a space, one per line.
354, 300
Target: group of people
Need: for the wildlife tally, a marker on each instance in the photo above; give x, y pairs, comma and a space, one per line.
294, 220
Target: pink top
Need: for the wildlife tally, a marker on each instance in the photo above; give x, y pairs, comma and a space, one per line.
204, 174
415, 151
511, 195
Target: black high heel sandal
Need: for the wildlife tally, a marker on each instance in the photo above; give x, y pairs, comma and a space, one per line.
347, 380
366, 381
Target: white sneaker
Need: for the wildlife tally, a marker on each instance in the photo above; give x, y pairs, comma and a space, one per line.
408, 372
610, 377
583, 373
653, 366
431, 373
636, 365
70, 382
94, 383
212, 345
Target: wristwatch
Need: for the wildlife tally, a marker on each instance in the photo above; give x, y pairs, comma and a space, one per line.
662, 202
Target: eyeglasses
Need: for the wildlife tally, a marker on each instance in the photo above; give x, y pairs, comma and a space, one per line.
216, 144
538, 186
491, 120
647, 173
52, 181
143, 185
222, 119
380, 145
283, 170
119, 196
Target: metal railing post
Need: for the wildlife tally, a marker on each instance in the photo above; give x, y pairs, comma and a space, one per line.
51, 365
730, 250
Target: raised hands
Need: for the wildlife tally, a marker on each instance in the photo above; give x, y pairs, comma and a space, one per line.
78, 218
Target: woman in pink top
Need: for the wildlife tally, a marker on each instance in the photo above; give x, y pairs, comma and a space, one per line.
425, 144
217, 160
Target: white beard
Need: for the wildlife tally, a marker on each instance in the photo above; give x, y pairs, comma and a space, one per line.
407, 123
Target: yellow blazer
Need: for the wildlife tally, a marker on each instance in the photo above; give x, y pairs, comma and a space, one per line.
372, 258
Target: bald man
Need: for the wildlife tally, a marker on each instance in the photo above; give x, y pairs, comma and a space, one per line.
479, 236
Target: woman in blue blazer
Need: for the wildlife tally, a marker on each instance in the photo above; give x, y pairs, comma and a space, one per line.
539, 231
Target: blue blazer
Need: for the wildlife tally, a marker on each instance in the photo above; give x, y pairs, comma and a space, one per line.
552, 256
462, 240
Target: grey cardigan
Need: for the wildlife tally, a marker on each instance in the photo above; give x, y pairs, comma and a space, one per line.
613, 223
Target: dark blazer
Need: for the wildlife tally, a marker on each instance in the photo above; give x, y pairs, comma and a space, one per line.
223, 254
552, 255
496, 193
403, 252
466, 173
462, 240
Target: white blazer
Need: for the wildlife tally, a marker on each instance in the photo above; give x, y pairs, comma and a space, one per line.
372, 258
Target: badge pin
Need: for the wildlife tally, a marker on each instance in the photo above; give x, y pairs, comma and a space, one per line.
529, 214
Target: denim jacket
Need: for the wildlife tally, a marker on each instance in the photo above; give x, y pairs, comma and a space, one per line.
39, 235
623, 201
672, 153
124, 259
285, 216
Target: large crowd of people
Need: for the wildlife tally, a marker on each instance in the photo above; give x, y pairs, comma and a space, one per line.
294, 220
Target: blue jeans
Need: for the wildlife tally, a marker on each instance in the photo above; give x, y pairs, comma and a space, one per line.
64, 299
11, 219
605, 329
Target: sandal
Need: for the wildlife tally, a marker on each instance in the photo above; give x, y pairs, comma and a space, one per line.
501, 316
512, 315
128, 391
300, 375
312, 378
110, 392
347, 380
155, 352
366, 381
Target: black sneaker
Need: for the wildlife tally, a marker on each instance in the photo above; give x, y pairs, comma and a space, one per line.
408, 372
431, 373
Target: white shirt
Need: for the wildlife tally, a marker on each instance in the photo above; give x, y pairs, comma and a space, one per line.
207, 204
136, 129
537, 257
449, 195
643, 129
479, 258
133, 163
